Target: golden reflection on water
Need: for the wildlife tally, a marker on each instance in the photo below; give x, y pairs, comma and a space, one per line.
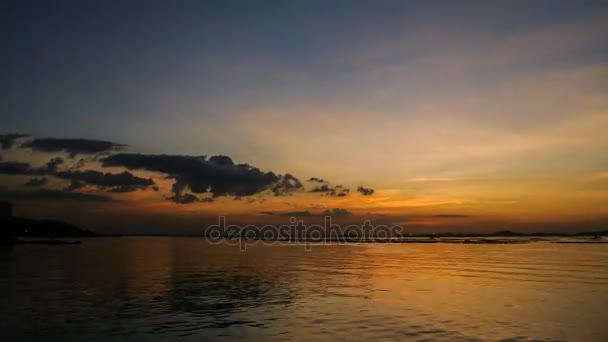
156, 288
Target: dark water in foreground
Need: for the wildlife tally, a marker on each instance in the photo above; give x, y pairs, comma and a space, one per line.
153, 289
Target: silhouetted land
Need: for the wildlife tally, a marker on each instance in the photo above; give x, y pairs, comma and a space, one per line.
20, 226
14, 227
433, 238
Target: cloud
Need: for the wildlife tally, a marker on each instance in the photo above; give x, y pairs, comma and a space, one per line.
117, 182
75, 185
322, 188
71, 146
23, 168
218, 175
340, 193
36, 182
53, 195
125, 188
286, 185
337, 191
196, 178
184, 198
365, 191
17, 168
8, 140
180, 196
53, 164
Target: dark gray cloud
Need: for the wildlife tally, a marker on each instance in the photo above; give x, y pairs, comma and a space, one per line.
196, 178
71, 146
8, 140
217, 176
116, 182
23, 168
17, 168
336, 191
286, 185
184, 198
36, 182
365, 191
322, 188
113, 182
75, 185
187, 198
53, 164
181, 196
340, 193
125, 188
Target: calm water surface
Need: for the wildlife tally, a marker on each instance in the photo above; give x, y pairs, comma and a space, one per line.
152, 289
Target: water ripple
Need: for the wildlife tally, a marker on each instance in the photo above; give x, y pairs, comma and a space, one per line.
184, 288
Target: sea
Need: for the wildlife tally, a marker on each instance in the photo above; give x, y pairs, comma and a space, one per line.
191, 289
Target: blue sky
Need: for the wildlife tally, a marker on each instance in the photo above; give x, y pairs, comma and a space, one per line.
390, 94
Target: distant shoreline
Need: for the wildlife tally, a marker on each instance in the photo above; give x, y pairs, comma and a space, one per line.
473, 240
415, 240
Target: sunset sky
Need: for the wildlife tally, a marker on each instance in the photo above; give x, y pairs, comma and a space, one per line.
459, 115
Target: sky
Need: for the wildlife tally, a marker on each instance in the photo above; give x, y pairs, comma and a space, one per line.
470, 116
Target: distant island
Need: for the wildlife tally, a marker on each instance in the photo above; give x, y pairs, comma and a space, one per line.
508, 233
14, 227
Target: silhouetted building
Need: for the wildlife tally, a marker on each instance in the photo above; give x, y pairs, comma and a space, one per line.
6, 210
